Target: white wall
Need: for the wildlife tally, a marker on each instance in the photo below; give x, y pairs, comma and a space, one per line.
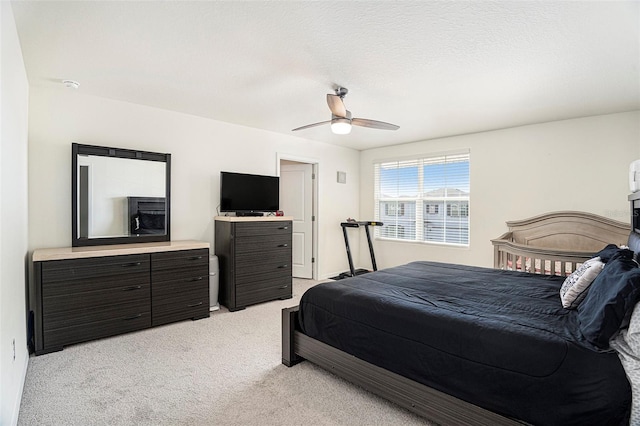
516, 173
14, 98
200, 148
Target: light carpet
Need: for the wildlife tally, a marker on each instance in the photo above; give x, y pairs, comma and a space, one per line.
225, 369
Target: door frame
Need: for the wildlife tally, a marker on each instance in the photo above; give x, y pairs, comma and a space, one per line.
314, 202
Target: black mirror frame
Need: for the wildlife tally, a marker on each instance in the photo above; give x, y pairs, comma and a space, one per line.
78, 149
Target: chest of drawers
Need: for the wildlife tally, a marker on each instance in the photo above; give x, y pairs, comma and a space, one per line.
255, 260
79, 299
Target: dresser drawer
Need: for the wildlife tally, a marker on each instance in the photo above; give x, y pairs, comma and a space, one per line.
181, 306
65, 277
274, 274
81, 332
256, 295
263, 243
276, 257
72, 305
184, 279
245, 272
172, 288
79, 314
283, 282
171, 265
250, 229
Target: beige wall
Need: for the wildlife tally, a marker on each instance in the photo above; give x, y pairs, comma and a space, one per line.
200, 148
579, 164
14, 98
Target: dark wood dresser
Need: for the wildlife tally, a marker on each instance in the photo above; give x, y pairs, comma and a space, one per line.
85, 293
255, 259
634, 198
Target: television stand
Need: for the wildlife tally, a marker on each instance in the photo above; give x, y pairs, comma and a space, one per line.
246, 214
255, 259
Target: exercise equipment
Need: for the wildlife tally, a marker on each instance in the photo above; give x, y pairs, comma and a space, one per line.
357, 224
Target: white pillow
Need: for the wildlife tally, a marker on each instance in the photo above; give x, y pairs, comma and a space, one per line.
574, 289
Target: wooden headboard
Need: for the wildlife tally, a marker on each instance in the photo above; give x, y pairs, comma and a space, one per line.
556, 243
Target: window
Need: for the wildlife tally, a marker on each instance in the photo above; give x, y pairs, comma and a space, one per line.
394, 209
432, 208
424, 199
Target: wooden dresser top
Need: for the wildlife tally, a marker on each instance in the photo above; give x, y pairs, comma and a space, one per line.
62, 253
252, 218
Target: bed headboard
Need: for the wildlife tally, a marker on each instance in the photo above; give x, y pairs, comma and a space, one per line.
556, 243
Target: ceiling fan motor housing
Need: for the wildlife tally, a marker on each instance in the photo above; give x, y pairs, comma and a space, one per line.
342, 91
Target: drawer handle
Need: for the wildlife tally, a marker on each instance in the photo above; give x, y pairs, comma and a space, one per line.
133, 317
194, 305
196, 258
196, 279
134, 287
282, 266
284, 227
283, 286
283, 245
128, 265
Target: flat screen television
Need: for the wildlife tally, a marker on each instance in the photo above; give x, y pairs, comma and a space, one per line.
245, 193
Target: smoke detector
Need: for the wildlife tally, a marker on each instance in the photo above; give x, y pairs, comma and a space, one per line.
71, 84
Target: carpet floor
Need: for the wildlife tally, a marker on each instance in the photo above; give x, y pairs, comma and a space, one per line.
225, 369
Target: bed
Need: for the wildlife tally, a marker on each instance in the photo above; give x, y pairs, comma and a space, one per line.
467, 345
146, 215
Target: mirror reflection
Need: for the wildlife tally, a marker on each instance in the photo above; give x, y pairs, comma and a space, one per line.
120, 196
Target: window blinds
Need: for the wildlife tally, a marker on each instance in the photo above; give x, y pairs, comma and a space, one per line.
424, 199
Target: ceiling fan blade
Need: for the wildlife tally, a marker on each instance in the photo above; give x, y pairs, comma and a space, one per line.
336, 105
374, 124
311, 125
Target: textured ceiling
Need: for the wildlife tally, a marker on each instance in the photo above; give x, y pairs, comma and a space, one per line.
433, 68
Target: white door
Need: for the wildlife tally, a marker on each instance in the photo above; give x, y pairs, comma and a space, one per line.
296, 199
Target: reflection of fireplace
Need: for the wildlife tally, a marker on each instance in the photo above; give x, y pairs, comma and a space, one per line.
147, 215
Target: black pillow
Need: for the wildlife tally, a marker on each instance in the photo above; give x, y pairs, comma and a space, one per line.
610, 300
606, 253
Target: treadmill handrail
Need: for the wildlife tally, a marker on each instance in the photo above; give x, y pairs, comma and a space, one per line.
357, 224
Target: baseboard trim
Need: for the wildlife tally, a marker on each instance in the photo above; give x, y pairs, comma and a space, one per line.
18, 401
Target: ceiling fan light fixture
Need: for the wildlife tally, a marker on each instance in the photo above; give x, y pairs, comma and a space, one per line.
341, 126
341, 119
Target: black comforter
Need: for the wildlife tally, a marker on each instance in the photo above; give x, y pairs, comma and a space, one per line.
498, 339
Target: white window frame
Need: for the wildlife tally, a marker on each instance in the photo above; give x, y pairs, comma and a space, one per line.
422, 200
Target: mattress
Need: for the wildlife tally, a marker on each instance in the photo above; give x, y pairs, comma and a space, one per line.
497, 339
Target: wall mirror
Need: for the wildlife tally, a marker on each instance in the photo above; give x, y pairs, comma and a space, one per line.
119, 196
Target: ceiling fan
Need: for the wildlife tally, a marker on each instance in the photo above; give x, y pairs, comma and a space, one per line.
341, 120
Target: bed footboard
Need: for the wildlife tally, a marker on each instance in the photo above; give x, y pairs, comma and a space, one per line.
416, 397
289, 321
